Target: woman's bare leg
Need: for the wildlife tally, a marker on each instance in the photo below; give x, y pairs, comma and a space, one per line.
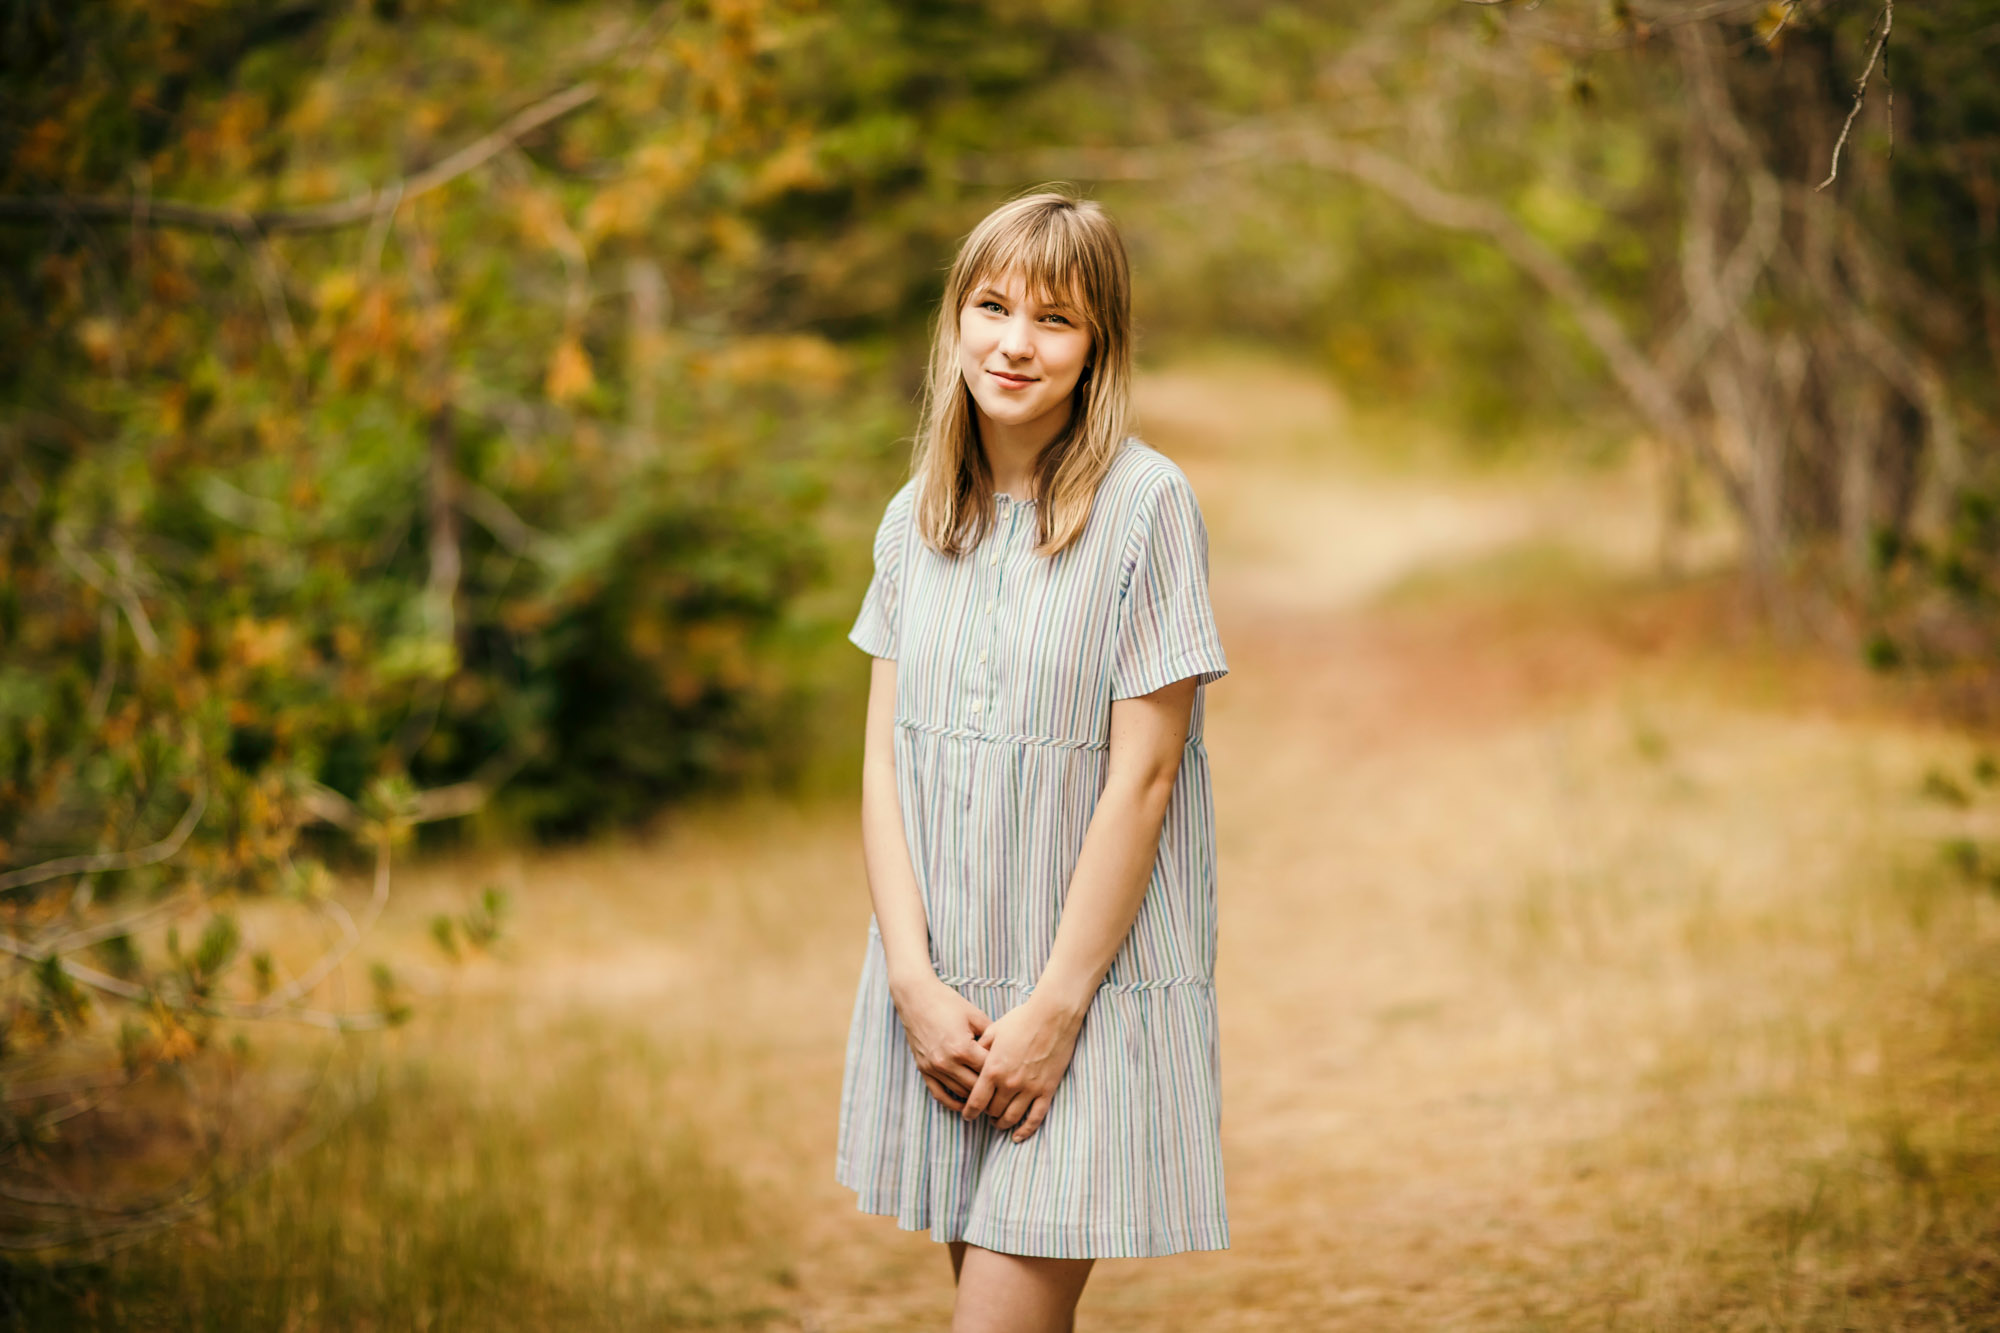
1015, 1293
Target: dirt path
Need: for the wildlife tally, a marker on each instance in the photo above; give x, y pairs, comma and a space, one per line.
1532, 951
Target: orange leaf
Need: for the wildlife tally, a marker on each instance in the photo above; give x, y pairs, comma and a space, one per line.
569, 375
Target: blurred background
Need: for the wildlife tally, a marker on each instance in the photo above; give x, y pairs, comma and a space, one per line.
439, 448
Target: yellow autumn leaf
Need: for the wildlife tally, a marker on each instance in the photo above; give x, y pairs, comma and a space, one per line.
260, 643
665, 166
336, 291
99, 339
569, 374
176, 1044
621, 209
537, 216
798, 359
315, 108
793, 167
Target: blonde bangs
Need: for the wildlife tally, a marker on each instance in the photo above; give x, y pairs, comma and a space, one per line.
1067, 253
1048, 260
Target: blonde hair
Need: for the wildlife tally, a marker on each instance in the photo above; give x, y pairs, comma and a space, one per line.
1066, 250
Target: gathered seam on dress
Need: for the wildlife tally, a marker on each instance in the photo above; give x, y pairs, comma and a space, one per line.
1159, 983
1007, 738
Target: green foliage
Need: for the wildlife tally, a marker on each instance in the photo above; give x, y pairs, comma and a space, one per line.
549, 481
479, 925
303, 526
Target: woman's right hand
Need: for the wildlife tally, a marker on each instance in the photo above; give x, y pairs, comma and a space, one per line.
943, 1030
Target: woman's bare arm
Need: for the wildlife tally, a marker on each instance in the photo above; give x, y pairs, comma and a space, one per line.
1148, 734
892, 883
941, 1025
1029, 1047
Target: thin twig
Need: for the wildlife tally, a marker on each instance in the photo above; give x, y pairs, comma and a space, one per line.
117, 589
1861, 92
271, 287
89, 976
127, 860
1785, 13
264, 1010
1649, 391
498, 517
107, 666
326, 217
332, 958
124, 925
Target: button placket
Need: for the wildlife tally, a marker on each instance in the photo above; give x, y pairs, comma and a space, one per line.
981, 676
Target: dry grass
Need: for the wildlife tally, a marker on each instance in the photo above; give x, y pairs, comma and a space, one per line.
1583, 966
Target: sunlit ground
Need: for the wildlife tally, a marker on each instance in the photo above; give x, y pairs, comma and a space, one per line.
1586, 962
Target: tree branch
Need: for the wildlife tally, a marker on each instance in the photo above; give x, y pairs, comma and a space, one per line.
126, 860
1860, 93
1650, 392
324, 217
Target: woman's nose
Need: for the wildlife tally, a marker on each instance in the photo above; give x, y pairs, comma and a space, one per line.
1015, 342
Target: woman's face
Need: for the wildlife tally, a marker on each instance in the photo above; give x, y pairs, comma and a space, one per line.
1020, 358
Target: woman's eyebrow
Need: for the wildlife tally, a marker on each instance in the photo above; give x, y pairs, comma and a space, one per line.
1050, 304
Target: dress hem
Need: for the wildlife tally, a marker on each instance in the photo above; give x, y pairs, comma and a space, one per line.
1047, 1241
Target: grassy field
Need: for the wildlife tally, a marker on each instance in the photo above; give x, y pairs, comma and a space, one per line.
1587, 961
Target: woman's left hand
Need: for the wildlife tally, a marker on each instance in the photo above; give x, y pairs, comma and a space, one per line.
1028, 1051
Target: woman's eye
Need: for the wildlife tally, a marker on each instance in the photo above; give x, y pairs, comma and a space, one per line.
992, 305
1060, 319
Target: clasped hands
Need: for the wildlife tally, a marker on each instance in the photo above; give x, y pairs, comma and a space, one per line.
1006, 1067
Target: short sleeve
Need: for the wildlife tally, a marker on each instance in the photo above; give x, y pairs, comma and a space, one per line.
874, 629
1165, 625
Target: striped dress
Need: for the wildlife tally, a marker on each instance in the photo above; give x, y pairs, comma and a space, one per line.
1006, 666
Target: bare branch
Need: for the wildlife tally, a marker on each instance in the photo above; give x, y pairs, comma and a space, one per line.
330, 807
127, 860
125, 925
497, 517
119, 590
1861, 93
57, 1087
326, 217
1785, 13
332, 958
1716, 299
89, 976
107, 666
1647, 389
428, 806
271, 287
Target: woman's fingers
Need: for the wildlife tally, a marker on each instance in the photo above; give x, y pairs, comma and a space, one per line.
1009, 1110
1033, 1121
961, 1067
942, 1093
960, 1077
981, 1095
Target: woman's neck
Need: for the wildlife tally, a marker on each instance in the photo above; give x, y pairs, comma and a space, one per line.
1012, 450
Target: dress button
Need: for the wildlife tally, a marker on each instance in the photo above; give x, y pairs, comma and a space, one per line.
989, 604
975, 705
994, 560
982, 654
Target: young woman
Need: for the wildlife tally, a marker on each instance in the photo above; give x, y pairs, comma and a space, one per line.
1032, 1070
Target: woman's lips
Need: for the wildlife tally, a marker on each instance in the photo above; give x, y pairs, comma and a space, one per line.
1010, 381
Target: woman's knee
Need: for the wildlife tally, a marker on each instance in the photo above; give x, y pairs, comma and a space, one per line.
1014, 1293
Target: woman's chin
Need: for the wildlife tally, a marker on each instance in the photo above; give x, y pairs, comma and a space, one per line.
1011, 411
